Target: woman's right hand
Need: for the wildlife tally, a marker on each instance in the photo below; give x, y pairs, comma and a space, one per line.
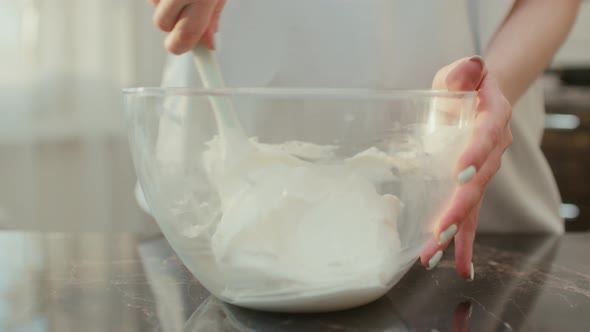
187, 22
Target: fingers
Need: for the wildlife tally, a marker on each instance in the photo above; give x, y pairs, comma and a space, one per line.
187, 22
192, 23
491, 130
167, 13
209, 37
462, 75
467, 75
466, 198
481, 160
477, 165
464, 244
432, 253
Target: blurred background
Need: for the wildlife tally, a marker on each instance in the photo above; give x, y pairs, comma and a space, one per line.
62, 144
566, 142
64, 161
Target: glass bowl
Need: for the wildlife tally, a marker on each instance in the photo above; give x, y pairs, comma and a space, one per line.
297, 200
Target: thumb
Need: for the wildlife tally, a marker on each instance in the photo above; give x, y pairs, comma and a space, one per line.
462, 75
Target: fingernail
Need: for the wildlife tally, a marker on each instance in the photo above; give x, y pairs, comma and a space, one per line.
447, 234
433, 262
472, 275
466, 175
480, 59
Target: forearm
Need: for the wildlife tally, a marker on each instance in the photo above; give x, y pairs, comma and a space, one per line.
526, 41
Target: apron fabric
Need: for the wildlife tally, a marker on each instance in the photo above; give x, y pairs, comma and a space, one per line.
386, 44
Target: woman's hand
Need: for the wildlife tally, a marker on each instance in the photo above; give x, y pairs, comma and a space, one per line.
187, 22
476, 167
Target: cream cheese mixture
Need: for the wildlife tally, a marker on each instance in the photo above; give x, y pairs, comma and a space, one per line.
294, 226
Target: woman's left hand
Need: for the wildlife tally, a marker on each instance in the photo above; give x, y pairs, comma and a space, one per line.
476, 166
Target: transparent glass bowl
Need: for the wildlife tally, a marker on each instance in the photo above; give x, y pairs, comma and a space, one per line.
308, 199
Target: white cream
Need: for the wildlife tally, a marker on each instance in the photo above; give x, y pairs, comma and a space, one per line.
295, 226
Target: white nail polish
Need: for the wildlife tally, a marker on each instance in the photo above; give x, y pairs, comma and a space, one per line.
472, 273
447, 234
466, 175
433, 262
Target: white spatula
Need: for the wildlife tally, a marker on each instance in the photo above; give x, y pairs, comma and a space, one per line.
208, 69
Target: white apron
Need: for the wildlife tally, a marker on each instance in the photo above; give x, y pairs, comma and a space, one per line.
385, 44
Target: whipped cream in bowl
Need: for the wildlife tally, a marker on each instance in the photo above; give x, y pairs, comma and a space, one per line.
321, 203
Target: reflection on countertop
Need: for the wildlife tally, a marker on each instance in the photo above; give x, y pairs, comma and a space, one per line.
126, 282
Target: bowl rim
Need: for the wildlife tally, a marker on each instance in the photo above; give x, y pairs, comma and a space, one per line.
297, 92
